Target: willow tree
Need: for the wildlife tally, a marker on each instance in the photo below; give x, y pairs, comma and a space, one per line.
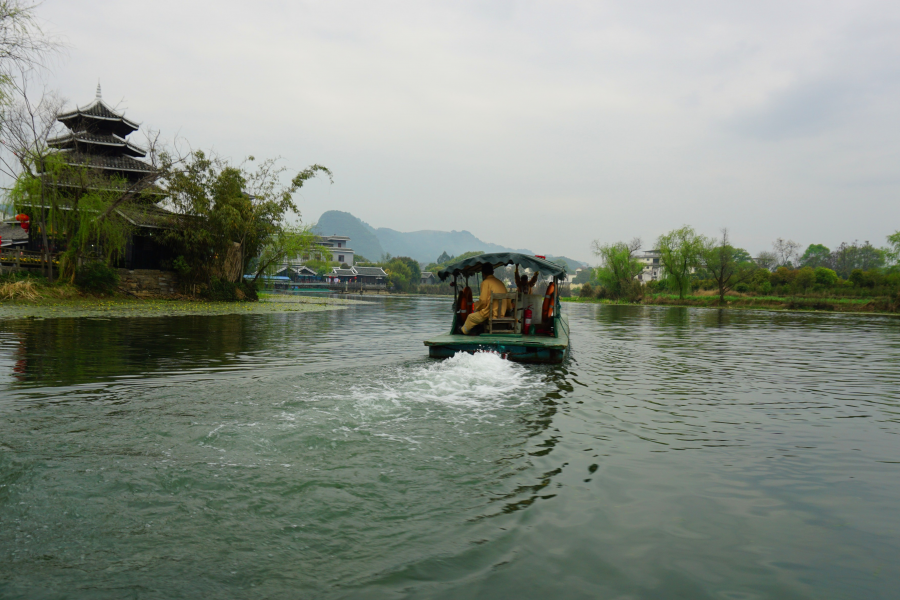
619, 267
679, 254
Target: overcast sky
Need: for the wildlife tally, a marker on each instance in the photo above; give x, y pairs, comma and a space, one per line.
531, 124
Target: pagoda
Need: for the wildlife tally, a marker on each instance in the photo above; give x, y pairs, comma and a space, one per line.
97, 139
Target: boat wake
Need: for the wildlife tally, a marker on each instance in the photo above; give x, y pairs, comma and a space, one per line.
474, 382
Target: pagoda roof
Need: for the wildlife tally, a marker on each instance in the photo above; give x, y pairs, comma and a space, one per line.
101, 114
68, 140
110, 163
148, 215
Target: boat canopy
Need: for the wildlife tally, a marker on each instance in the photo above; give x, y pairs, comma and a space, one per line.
472, 265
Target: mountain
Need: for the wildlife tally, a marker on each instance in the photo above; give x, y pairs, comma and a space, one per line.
570, 263
362, 236
424, 246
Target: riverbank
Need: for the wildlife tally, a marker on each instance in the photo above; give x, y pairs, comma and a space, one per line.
88, 306
845, 305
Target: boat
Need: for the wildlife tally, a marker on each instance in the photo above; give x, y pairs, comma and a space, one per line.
523, 334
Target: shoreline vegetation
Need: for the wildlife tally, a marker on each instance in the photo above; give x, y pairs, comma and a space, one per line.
880, 305
84, 306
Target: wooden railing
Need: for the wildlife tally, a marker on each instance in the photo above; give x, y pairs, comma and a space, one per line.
23, 258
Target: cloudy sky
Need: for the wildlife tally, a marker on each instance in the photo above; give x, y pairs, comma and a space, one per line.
531, 124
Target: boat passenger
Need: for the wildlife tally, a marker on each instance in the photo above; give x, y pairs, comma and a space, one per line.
489, 285
523, 284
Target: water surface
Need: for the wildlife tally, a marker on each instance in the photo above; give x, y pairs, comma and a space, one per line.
678, 454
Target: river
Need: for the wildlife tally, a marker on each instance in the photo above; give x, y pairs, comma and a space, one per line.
678, 453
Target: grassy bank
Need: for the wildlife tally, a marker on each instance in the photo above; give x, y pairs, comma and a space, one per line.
76, 305
856, 305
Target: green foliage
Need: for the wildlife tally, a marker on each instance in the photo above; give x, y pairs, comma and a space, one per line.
619, 267
805, 278
586, 291
415, 272
445, 259
742, 288
892, 252
227, 215
399, 276
782, 276
816, 255
76, 209
181, 266
585, 276
97, 277
727, 266
865, 257
220, 290
679, 253
825, 276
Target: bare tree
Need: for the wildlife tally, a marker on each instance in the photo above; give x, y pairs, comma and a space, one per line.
25, 127
767, 260
785, 251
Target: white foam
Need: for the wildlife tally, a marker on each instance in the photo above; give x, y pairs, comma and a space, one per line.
472, 381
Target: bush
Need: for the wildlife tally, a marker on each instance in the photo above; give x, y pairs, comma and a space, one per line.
742, 288
825, 276
97, 278
782, 276
586, 291
220, 290
805, 277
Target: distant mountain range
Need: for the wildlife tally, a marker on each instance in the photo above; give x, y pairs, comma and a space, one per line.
424, 246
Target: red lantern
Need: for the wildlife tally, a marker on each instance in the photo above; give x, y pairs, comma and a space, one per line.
24, 220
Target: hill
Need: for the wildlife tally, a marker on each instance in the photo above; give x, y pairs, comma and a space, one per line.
424, 246
362, 236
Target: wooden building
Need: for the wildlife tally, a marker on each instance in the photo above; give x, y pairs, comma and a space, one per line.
97, 139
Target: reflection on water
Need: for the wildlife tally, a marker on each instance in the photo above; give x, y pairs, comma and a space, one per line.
679, 453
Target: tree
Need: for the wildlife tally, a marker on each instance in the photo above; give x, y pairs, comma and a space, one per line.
848, 257
415, 271
825, 276
619, 267
288, 242
23, 44
892, 252
726, 265
679, 254
767, 260
785, 252
77, 210
226, 215
584, 276
816, 255
398, 275
806, 277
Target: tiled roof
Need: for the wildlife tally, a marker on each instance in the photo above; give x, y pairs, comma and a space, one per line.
148, 215
371, 271
98, 110
111, 140
111, 163
351, 272
12, 233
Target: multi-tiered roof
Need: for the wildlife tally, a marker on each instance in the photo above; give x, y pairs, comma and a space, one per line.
96, 138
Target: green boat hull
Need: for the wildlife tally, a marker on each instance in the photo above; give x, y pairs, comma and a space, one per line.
518, 348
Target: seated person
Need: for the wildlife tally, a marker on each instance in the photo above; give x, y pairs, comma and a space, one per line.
489, 285
524, 286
